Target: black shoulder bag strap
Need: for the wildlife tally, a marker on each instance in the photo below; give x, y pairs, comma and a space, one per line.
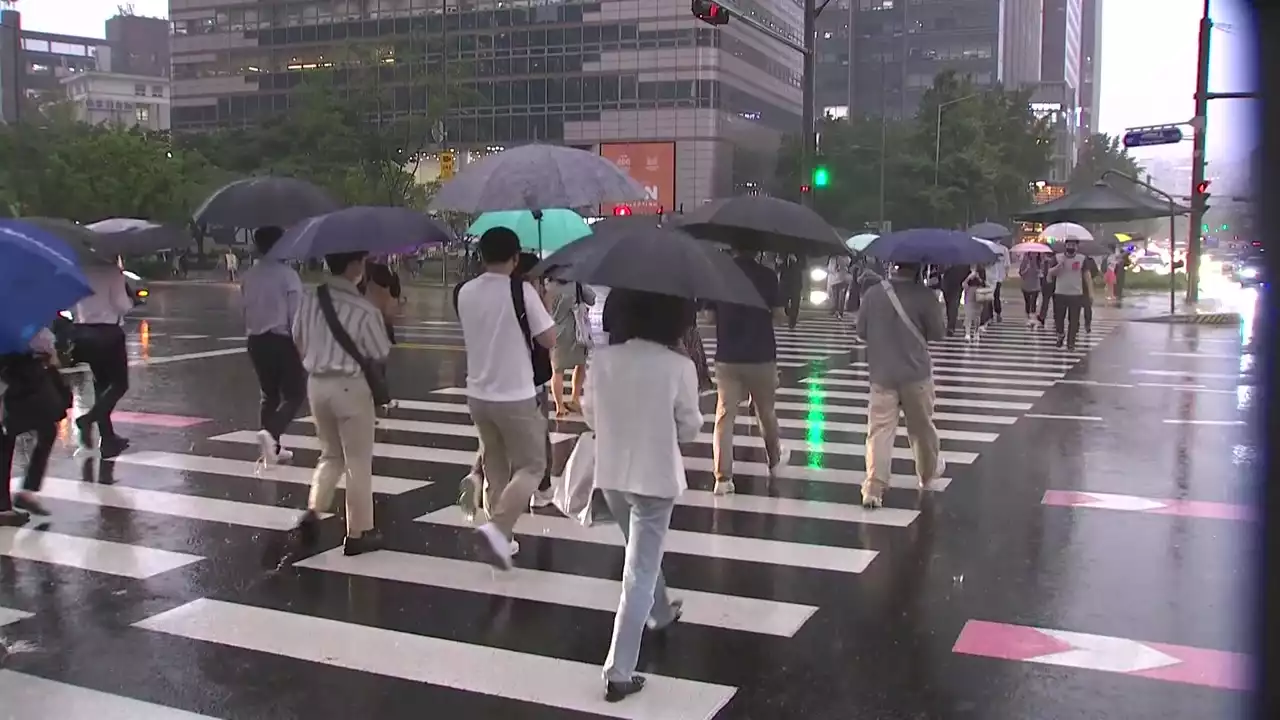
372, 375
540, 361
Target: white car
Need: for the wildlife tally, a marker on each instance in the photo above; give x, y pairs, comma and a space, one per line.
1151, 263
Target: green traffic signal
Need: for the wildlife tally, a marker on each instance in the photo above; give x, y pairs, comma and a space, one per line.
821, 177
1224, 227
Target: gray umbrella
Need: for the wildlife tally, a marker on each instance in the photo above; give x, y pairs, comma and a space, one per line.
537, 177
990, 231
1100, 203
79, 238
130, 236
264, 201
755, 222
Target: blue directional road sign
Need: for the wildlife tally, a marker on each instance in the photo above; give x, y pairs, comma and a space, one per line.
1167, 135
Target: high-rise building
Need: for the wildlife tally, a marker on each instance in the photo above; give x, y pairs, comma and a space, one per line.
1057, 96
699, 111
879, 56
1090, 64
141, 45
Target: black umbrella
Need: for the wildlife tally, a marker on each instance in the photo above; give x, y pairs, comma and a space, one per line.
990, 231
1100, 203
264, 201
79, 238
130, 236
657, 260
754, 222
555, 263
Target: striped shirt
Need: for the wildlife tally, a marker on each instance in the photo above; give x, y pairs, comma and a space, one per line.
321, 354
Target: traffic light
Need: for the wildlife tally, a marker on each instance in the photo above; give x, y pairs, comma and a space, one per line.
1201, 199
1225, 228
805, 189
821, 177
710, 12
621, 210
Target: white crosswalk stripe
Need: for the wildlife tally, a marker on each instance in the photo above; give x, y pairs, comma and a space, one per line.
804, 518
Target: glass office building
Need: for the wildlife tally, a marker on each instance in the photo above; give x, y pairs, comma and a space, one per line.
699, 110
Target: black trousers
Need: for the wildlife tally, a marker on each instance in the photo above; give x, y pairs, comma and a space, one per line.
38, 463
997, 305
1046, 298
1067, 307
103, 348
793, 307
1086, 308
951, 298
281, 378
1029, 298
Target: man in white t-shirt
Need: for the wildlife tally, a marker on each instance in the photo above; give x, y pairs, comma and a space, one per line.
500, 388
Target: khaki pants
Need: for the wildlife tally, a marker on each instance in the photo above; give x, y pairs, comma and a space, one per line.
513, 438
344, 413
759, 383
915, 403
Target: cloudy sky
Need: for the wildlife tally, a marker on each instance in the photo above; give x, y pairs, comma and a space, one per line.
1148, 61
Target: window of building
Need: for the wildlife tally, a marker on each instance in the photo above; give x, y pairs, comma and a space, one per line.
140, 90
157, 91
34, 45
142, 113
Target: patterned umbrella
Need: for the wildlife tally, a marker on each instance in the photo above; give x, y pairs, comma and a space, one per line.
537, 177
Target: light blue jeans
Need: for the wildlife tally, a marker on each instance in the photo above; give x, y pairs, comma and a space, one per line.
644, 521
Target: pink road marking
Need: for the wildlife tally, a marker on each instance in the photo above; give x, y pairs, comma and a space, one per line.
156, 419
1195, 666
1182, 508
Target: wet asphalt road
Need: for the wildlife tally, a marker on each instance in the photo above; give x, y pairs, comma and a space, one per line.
146, 593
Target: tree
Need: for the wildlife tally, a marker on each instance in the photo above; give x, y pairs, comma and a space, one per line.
1102, 152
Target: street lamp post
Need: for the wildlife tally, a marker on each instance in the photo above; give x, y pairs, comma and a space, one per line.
937, 134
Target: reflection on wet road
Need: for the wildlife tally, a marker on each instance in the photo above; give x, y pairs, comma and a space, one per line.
1086, 556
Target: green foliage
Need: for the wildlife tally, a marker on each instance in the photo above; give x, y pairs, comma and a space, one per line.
1102, 152
990, 148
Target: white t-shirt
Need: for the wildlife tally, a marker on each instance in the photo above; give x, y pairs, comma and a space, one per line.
498, 364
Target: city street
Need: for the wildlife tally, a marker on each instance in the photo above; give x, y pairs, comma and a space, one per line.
1087, 555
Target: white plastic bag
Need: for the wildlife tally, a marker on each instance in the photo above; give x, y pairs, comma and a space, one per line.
572, 491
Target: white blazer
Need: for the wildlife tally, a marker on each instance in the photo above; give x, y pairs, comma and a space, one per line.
641, 400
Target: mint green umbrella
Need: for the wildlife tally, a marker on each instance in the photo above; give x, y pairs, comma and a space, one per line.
556, 228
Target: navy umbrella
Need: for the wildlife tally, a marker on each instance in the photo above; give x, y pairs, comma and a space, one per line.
930, 245
372, 229
39, 275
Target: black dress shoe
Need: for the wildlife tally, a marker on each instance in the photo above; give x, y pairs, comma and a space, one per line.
307, 530
112, 446
616, 691
369, 541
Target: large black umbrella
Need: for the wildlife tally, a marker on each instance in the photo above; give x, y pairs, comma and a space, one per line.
264, 201
131, 236
1100, 203
990, 231
657, 260
81, 240
754, 222
555, 263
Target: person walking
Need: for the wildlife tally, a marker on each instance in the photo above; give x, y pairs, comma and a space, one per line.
232, 261
898, 320
100, 342
568, 303
953, 284
1109, 275
791, 282
995, 274
1029, 278
272, 292
642, 402
341, 336
1090, 277
747, 369
33, 399
839, 278
975, 310
1048, 283
1068, 273
502, 318
1122, 268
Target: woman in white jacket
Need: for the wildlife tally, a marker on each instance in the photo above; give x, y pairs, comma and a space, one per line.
642, 401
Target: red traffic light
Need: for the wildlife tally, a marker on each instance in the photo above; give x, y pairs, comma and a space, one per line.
805, 189
621, 210
1203, 187
709, 12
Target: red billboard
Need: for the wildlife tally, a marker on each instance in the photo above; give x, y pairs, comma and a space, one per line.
653, 165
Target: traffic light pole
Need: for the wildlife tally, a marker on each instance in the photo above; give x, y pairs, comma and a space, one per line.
809, 147
1198, 159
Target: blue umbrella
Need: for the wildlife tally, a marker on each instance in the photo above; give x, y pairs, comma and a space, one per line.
930, 245
38, 277
372, 229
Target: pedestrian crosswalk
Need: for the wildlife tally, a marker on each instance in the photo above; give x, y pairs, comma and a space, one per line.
752, 568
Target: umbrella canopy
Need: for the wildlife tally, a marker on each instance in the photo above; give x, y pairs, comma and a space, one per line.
1092, 248
755, 222
858, 243
657, 260
931, 245
1000, 251
537, 177
130, 236
990, 231
1031, 247
375, 230
39, 276
264, 201
79, 240
1100, 203
543, 230
1058, 232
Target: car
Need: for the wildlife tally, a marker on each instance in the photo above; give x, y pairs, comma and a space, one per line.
1151, 263
1251, 272
137, 287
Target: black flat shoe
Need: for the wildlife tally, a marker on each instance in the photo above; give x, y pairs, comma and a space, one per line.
616, 691
368, 541
307, 531
13, 518
25, 502
112, 447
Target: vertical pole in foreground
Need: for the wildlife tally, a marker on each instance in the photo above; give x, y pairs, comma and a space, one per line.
809, 140
1198, 161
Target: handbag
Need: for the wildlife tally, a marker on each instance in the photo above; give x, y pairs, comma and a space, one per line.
374, 374
573, 490
36, 395
985, 294
582, 318
539, 356
906, 319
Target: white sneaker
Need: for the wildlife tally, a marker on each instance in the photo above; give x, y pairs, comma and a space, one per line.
784, 455
284, 456
493, 546
541, 498
267, 444
723, 487
515, 548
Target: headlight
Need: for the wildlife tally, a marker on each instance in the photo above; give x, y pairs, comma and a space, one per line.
818, 297
817, 275
1249, 273
66, 314
131, 275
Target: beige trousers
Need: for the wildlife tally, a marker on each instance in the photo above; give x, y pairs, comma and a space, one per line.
344, 413
757, 382
915, 403
513, 437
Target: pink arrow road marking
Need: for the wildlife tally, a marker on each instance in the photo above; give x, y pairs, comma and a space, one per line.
1133, 503
1196, 666
156, 419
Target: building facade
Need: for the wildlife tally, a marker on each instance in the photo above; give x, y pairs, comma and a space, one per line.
1090, 64
880, 56
1058, 95
699, 110
141, 45
118, 98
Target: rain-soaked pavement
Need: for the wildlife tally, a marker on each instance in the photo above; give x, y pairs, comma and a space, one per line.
1088, 556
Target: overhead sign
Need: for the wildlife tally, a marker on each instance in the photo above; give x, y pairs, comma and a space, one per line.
1140, 137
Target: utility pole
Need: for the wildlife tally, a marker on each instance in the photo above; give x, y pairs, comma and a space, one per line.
809, 144
1200, 124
